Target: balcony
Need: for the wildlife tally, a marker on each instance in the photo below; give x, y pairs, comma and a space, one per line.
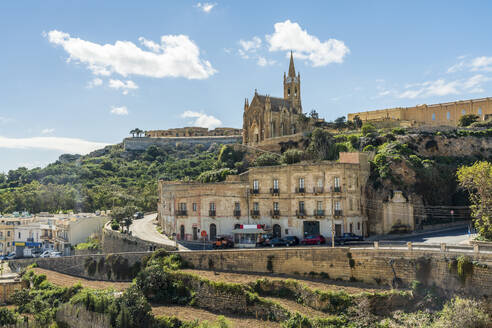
300, 190
181, 213
275, 213
318, 190
336, 189
211, 213
319, 213
237, 213
274, 191
254, 191
255, 213
337, 213
300, 213
45, 237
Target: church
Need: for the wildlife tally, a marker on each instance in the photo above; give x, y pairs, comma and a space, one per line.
269, 117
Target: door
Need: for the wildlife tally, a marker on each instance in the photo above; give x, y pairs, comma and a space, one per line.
182, 232
195, 233
338, 230
277, 231
213, 231
311, 228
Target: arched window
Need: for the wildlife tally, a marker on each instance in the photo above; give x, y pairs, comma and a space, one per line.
480, 111
295, 92
433, 116
448, 115
288, 92
463, 112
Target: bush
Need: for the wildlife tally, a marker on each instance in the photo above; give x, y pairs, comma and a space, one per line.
368, 128
369, 148
482, 124
215, 175
7, 317
398, 131
292, 156
462, 313
354, 141
267, 159
115, 225
468, 119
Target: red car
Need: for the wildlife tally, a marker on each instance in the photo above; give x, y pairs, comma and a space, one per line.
313, 240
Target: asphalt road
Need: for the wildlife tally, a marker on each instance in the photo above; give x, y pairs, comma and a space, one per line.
454, 236
146, 229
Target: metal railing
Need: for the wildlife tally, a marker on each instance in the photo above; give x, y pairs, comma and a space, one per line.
275, 213
318, 190
237, 213
300, 190
181, 213
274, 191
255, 212
319, 213
211, 213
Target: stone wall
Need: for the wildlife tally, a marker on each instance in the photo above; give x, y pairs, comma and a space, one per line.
373, 266
76, 316
7, 288
132, 144
116, 242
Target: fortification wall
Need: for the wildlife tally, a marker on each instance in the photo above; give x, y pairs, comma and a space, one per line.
116, 242
136, 144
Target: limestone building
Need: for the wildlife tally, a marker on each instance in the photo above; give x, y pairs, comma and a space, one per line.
298, 199
268, 117
433, 115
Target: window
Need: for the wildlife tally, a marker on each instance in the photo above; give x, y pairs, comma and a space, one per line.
8, 244
479, 111
19, 235
256, 206
8, 233
301, 207
358, 225
288, 92
295, 92
338, 207
448, 116
275, 206
301, 183
351, 227
182, 206
212, 206
351, 204
275, 184
320, 183
433, 116
237, 206
256, 185
337, 182
463, 112
319, 206
194, 207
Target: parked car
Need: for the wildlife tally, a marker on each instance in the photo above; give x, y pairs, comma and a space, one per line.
36, 252
46, 253
400, 228
11, 256
138, 215
276, 242
313, 240
263, 239
55, 254
223, 242
347, 238
291, 240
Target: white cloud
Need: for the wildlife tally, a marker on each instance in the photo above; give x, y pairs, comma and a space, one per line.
442, 87
175, 56
250, 45
67, 145
482, 63
202, 120
119, 110
206, 6
262, 61
95, 83
47, 131
290, 36
5, 120
124, 86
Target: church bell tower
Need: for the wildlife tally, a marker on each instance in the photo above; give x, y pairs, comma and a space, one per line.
292, 86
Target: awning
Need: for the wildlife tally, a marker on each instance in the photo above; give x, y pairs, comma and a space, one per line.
257, 231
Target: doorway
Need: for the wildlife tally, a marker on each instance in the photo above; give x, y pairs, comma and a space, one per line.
195, 233
311, 228
213, 232
338, 230
277, 231
182, 232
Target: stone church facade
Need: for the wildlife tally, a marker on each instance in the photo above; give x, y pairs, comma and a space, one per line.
269, 117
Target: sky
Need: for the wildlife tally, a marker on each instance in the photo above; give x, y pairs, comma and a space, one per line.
78, 75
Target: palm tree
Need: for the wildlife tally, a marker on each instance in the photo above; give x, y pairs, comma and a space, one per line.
132, 132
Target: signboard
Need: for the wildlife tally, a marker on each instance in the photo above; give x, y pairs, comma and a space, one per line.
204, 233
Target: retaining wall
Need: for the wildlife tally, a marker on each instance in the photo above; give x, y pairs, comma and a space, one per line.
145, 142
116, 242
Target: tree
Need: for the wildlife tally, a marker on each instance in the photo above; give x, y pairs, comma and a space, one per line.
132, 132
340, 122
357, 122
468, 119
477, 180
292, 156
267, 159
322, 145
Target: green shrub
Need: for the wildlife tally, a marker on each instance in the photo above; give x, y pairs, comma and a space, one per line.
368, 128
398, 131
464, 267
215, 175
467, 119
7, 317
267, 159
463, 313
482, 124
292, 156
369, 148
115, 225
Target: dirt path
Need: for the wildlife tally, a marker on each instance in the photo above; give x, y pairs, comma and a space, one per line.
353, 288
65, 280
189, 313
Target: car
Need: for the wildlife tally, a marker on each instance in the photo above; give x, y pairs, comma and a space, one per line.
223, 242
291, 240
138, 215
55, 254
275, 242
347, 238
11, 256
46, 253
400, 228
262, 240
313, 240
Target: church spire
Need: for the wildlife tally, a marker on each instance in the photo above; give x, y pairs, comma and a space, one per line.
292, 70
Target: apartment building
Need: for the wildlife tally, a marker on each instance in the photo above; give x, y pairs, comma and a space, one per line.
298, 199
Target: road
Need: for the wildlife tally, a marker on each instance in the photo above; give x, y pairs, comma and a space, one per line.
145, 229
454, 236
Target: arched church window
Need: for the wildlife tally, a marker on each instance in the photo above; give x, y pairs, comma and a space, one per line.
288, 92
448, 115
295, 92
463, 112
479, 111
433, 116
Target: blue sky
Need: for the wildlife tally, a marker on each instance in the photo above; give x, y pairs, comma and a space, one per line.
79, 74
